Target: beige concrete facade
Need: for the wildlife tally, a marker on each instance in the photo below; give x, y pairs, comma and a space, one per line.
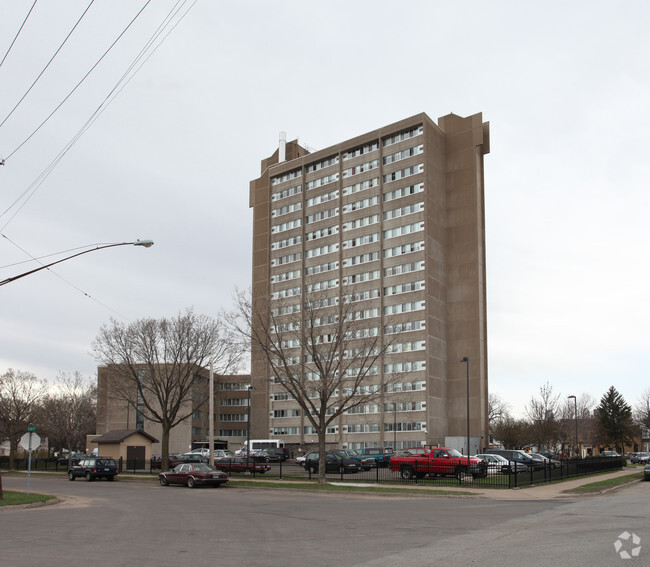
230, 408
400, 214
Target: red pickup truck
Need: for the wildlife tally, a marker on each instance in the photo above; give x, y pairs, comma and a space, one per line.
438, 461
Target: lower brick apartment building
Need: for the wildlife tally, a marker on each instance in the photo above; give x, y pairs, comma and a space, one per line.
394, 217
230, 408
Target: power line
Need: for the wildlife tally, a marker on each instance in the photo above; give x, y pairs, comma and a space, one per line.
79, 83
48, 64
115, 91
18, 33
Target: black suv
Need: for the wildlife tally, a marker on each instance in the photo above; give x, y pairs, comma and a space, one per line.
94, 467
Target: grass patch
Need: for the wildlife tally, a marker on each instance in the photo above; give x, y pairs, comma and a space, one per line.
11, 498
342, 488
601, 485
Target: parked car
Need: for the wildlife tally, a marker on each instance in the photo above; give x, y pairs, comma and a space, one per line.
186, 458
271, 455
646, 472
94, 467
381, 455
76, 457
640, 458
156, 460
551, 463
221, 453
333, 464
193, 475
239, 464
518, 456
203, 452
367, 463
609, 454
500, 465
300, 459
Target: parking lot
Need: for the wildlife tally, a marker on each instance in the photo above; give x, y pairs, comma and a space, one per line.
142, 523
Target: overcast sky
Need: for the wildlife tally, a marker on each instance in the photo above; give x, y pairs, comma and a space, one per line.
564, 85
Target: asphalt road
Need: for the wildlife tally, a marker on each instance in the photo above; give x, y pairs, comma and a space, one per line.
139, 523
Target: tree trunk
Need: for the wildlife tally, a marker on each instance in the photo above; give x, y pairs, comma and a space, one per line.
164, 448
322, 465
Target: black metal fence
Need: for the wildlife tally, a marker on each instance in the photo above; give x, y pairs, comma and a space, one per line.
451, 476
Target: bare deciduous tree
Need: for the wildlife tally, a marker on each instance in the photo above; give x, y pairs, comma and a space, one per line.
20, 395
321, 350
543, 415
69, 412
155, 365
642, 409
498, 410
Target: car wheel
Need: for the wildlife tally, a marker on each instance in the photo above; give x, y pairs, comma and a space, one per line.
191, 483
71, 475
164, 481
89, 477
313, 469
462, 474
407, 473
267, 460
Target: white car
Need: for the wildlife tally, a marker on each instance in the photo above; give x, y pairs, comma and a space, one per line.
301, 459
500, 465
202, 452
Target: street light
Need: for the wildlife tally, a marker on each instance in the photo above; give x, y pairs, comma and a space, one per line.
145, 243
465, 359
248, 429
575, 413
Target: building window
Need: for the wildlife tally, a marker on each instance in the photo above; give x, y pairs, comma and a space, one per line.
361, 240
362, 204
326, 180
404, 268
357, 169
403, 192
322, 164
402, 173
402, 230
404, 327
404, 249
360, 259
296, 190
286, 209
404, 154
361, 150
361, 186
403, 211
405, 135
403, 288
363, 221
322, 198
286, 176
295, 223
404, 307
286, 242
408, 366
329, 213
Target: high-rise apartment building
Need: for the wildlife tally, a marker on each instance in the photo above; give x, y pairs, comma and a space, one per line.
395, 217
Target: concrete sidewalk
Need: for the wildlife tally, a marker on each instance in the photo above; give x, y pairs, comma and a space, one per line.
547, 491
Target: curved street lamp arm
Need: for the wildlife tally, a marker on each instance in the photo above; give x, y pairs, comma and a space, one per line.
145, 243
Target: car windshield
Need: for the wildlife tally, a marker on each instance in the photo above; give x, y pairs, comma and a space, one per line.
454, 453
